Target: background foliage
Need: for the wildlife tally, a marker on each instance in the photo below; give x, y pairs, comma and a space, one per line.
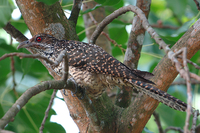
29, 72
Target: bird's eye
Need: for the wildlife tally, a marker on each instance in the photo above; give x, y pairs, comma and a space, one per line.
39, 39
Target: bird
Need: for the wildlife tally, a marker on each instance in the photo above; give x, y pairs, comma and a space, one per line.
95, 70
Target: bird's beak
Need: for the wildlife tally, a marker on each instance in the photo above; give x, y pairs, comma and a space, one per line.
23, 44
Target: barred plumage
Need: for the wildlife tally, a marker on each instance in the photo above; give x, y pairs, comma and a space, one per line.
95, 70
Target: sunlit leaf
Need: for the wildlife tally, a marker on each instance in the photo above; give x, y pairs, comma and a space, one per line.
177, 6
54, 127
5, 12
108, 2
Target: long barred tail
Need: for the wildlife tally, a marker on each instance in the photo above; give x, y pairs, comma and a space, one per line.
159, 95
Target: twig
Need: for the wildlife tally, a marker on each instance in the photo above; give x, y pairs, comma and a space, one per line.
22, 55
184, 72
164, 26
194, 76
197, 4
157, 120
194, 121
113, 42
75, 11
194, 64
189, 99
47, 111
160, 26
173, 128
12, 65
184, 83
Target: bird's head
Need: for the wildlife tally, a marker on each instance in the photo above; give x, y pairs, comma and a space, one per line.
40, 42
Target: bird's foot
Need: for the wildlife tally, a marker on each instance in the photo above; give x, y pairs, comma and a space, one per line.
79, 91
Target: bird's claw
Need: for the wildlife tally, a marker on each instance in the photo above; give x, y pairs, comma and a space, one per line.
77, 89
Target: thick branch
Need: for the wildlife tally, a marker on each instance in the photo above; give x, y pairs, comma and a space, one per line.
75, 11
10, 29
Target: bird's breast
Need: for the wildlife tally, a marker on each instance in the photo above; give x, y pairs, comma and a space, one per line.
95, 83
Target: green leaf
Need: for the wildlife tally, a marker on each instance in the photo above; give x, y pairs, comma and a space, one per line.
79, 29
26, 64
48, 2
183, 28
54, 127
111, 2
92, 9
108, 2
5, 12
6, 47
116, 32
37, 69
177, 6
1, 111
100, 1
20, 24
173, 38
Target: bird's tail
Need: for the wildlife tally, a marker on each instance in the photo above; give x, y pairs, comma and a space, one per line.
159, 95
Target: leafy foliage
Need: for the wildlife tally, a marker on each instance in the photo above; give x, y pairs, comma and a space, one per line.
48, 2
30, 71
5, 12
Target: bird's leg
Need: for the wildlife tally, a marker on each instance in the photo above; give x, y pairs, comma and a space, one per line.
77, 88
59, 58
64, 92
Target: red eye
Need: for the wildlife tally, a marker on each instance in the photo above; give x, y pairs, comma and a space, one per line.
38, 39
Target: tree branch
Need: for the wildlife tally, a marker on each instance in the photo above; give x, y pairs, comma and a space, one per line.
173, 128
157, 120
197, 4
47, 111
22, 55
194, 121
10, 29
75, 11
133, 51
